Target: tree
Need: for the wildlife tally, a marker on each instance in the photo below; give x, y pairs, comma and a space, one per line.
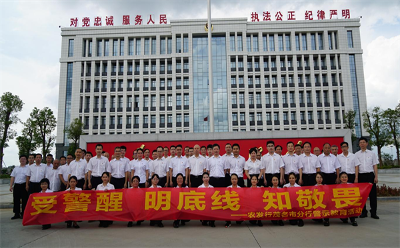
74, 132
350, 123
10, 105
375, 126
26, 141
387, 159
45, 124
392, 121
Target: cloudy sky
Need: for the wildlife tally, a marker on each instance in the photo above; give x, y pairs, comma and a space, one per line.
30, 41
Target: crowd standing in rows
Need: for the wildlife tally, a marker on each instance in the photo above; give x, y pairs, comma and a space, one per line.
198, 166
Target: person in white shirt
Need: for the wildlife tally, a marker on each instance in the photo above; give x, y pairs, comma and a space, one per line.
344, 180
234, 185
272, 165
44, 185
135, 185
135, 154
252, 167
178, 164
298, 149
105, 186
187, 155
197, 166
36, 173
227, 156
49, 161
368, 173
292, 164
217, 166
179, 182
317, 151
140, 168
318, 179
292, 183
330, 166
237, 164
64, 172
154, 185
210, 151
206, 184
334, 150
31, 159
191, 152
53, 176
160, 166
127, 160
166, 150
311, 165
278, 150
203, 151
349, 163
72, 182
254, 185
78, 169
18, 187
96, 166
118, 169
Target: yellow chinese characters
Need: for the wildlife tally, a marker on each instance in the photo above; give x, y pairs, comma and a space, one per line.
344, 197
306, 198
109, 202
275, 200
193, 200
229, 200
158, 199
44, 204
76, 202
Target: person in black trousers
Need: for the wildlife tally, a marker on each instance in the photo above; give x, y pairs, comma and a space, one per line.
18, 187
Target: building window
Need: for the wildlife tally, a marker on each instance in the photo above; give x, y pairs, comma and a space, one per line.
232, 42
242, 117
304, 41
99, 48
280, 42
169, 118
169, 45
255, 43
240, 42
275, 97
350, 38
115, 47
185, 44
267, 98
162, 119
248, 43
163, 45
271, 43
251, 98
130, 46
287, 42
234, 117
258, 98
153, 46
121, 47
71, 48
265, 44
178, 44
276, 116
313, 45
268, 116
297, 38
234, 98
320, 42
138, 45
146, 46
241, 97
178, 100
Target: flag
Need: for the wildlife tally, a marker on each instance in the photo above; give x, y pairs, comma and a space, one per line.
206, 119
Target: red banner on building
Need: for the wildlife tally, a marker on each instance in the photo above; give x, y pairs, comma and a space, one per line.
330, 201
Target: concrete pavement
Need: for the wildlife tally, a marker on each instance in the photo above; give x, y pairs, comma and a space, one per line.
369, 233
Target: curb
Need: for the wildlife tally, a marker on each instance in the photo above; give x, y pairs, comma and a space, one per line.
6, 206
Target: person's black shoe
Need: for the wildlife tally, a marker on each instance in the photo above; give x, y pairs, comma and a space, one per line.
227, 224
130, 224
160, 224
15, 217
300, 223
354, 223
152, 223
21, 216
239, 222
259, 223
345, 220
140, 222
101, 224
69, 225
204, 223
374, 216
45, 227
363, 215
281, 223
90, 221
176, 224
326, 223
212, 224
182, 223
76, 226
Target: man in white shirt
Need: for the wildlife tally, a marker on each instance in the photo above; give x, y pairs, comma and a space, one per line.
191, 151
52, 175
203, 151
236, 164
177, 165
140, 168
292, 164
197, 165
272, 165
118, 169
36, 173
298, 149
187, 155
227, 156
368, 173
210, 151
96, 166
31, 159
334, 150
330, 166
49, 162
18, 187
64, 172
349, 163
310, 164
78, 168
217, 166
278, 150
166, 150
160, 166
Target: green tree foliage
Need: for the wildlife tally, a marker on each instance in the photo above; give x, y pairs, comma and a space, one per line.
391, 118
26, 141
44, 125
74, 131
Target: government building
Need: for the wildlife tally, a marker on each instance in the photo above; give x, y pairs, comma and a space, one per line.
267, 76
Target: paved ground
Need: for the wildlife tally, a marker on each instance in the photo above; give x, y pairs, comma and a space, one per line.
369, 233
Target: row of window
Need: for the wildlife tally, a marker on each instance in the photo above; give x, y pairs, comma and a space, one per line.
252, 117
146, 83
287, 79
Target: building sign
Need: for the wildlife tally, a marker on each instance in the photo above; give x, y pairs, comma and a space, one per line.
126, 20
291, 15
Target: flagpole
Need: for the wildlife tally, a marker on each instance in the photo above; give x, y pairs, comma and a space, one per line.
210, 79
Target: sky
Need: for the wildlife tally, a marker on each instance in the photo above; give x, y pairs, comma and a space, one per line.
30, 41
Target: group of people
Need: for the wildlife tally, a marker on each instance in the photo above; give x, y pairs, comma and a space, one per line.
198, 166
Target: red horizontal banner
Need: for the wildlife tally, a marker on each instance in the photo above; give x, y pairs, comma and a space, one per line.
330, 201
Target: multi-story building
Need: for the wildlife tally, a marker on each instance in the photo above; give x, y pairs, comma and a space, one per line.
288, 75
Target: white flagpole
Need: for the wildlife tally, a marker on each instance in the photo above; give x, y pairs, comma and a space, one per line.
210, 73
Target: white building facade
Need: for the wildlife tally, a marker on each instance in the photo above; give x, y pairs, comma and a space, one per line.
267, 76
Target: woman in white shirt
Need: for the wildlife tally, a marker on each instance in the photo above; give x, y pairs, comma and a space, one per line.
44, 185
344, 178
72, 182
253, 166
135, 185
292, 183
234, 181
179, 182
275, 185
254, 183
206, 184
105, 186
154, 185
319, 178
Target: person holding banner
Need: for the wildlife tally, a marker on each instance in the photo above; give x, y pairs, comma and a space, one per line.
234, 181
72, 182
292, 183
179, 181
135, 185
344, 180
154, 185
319, 178
349, 163
118, 169
252, 167
178, 164
105, 186
275, 185
44, 185
206, 180
254, 185
272, 165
